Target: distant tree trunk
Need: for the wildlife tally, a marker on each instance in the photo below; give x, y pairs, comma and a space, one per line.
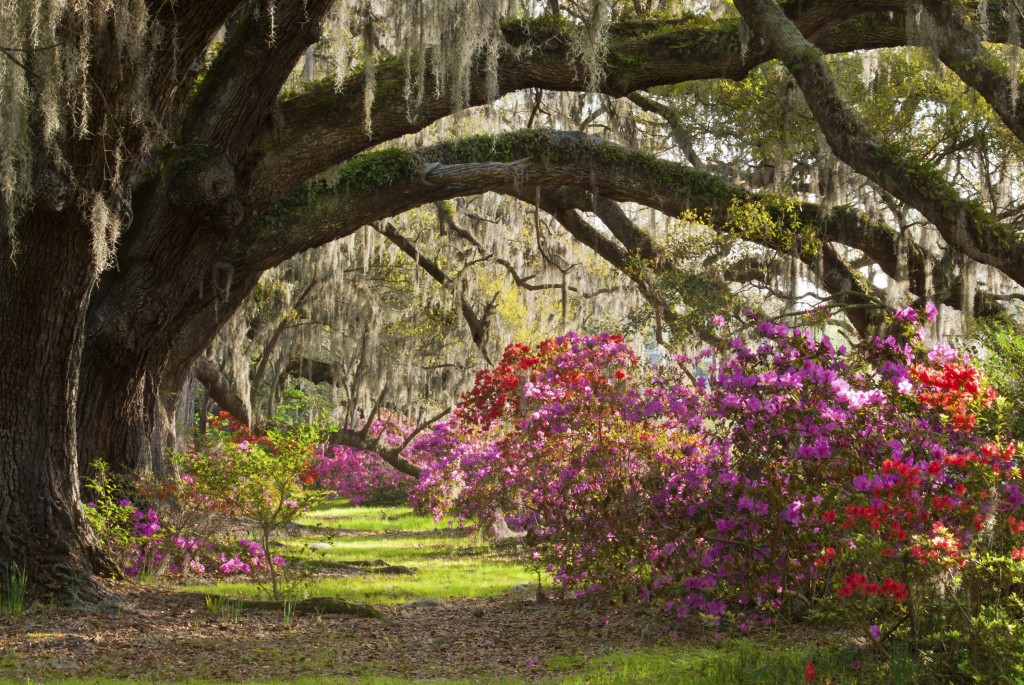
132, 378
42, 317
112, 420
185, 413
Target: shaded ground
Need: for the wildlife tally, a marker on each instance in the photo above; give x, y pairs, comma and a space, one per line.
157, 634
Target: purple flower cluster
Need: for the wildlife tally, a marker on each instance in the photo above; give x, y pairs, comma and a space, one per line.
364, 477
148, 551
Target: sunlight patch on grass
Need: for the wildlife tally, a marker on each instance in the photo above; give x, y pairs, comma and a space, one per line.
434, 578
369, 518
447, 564
437, 579
393, 550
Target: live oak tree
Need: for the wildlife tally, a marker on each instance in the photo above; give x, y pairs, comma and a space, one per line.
155, 160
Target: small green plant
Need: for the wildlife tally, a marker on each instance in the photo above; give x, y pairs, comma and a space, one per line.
234, 610
13, 590
110, 515
289, 611
258, 479
215, 604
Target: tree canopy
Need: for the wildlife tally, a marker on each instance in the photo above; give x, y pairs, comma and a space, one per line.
157, 159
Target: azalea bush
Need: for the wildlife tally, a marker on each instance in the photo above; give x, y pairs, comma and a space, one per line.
190, 524
774, 475
361, 476
133, 536
257, 480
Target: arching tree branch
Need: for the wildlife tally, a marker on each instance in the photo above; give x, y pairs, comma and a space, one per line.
477, 323
960, 48
220, 390
964, 224
323, 127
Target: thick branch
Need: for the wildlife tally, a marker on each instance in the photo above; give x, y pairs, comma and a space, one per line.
961, 49
964, 225
392, 181
324, 126
219, 388
547, 159
392, 455
244, 80
189, 27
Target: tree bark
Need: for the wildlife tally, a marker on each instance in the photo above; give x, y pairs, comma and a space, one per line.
46, 291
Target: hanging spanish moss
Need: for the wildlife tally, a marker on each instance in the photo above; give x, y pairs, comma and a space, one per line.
968, 287
360, 319
48, 50
441, 43
1013, 40
590, 43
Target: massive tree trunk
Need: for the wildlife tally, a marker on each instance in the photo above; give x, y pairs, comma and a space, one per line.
42, 319
127, 419
129, 400
85, 106
184, 218
112, 419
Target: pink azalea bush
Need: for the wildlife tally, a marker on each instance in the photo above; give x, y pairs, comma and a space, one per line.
188, 524
776, 476
146, 547
361, 476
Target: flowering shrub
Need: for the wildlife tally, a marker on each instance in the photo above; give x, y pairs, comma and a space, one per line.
185, 528
145, 546
257, 479
129, 535
780, 475
361, 476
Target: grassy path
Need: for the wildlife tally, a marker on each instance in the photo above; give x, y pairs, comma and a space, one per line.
347, 542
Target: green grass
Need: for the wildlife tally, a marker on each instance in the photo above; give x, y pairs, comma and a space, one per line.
449, 562
735, 662
434, 579
332, 515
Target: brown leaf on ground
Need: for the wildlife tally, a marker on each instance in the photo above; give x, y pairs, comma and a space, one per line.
156, 634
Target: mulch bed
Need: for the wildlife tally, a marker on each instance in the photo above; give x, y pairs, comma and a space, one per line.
156, 634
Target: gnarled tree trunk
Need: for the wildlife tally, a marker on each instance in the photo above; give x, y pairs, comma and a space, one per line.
42, 317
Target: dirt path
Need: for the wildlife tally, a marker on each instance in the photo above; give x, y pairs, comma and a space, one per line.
156, 634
